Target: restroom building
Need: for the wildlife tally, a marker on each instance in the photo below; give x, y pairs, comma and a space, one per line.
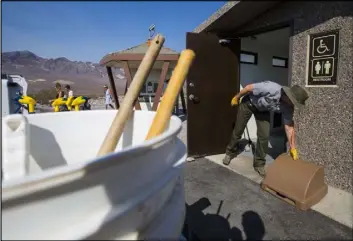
305, 43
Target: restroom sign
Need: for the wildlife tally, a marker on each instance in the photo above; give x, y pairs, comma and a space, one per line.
323, 59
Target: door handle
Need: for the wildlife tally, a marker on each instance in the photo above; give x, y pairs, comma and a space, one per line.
194, 99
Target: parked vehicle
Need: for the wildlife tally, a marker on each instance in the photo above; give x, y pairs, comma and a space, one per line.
14, 99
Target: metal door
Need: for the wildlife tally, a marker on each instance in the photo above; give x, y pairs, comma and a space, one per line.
212, 82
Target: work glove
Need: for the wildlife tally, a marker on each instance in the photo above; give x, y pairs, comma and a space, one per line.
294, 154
235, 101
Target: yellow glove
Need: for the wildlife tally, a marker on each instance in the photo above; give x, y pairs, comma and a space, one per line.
234, 101
293, 152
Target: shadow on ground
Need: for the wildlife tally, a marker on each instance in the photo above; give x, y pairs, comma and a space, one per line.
216, 227
277, 146
225, 205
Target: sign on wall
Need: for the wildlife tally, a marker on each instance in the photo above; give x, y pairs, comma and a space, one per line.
149, 87
323, 59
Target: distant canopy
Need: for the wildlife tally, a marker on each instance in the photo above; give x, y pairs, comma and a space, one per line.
134, 56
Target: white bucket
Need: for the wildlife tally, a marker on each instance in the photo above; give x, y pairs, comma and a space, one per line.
136, 192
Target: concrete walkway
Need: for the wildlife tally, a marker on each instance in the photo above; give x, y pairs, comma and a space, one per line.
224, 205
337, 204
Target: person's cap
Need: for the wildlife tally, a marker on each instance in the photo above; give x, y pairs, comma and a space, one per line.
297, 95
105, 86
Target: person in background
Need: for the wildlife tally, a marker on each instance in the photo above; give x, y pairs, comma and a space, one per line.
69, 92
59, 92
108, 97
258, 100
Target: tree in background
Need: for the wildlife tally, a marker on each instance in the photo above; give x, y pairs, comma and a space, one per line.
43, 96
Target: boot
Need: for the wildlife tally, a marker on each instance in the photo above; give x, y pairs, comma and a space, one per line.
227, 159
261, 171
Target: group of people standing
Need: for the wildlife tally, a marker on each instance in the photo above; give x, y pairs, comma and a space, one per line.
68, 92
63, 93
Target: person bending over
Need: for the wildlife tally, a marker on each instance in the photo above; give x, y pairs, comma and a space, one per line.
258, 100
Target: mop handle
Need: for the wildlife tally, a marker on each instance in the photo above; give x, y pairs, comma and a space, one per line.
126, 108
175, 84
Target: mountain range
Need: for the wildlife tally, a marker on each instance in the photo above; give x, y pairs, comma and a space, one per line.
41, 73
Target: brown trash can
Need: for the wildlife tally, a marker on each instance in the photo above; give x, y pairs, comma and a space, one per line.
299, 183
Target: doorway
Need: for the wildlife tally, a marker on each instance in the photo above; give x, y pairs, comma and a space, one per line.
265, 56
221, 68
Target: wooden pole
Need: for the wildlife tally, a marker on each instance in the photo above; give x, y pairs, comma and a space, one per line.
165, 109
128, 82
126, 108
159, 91
112, 85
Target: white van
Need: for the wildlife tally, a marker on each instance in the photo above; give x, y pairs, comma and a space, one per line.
11, 86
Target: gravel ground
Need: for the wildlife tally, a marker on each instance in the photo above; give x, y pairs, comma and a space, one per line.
43, 108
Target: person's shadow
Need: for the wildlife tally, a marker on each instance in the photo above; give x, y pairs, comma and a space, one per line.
46, 154
199, 226
253, 226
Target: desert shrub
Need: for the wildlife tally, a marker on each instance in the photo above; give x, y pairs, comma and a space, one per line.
43, 96
93, 96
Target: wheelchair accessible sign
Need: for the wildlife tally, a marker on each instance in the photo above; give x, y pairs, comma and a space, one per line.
323, 59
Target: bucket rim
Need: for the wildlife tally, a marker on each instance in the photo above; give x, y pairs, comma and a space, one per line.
70, 173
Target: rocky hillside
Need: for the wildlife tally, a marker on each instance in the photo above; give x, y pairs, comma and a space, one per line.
84, 77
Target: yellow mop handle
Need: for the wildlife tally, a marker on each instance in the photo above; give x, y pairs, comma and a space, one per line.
126, 108
165, 109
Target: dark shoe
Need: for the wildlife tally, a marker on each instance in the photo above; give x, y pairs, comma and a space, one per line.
261, 171
227, 159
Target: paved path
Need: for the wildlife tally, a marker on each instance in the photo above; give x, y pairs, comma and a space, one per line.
247, 212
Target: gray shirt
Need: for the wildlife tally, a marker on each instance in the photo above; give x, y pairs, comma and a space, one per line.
266, 96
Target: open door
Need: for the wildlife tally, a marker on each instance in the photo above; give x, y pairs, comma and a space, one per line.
211, 83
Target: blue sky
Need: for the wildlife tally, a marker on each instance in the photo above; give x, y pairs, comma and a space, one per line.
88, 30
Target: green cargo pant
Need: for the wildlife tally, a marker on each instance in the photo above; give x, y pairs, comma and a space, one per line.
245, 111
